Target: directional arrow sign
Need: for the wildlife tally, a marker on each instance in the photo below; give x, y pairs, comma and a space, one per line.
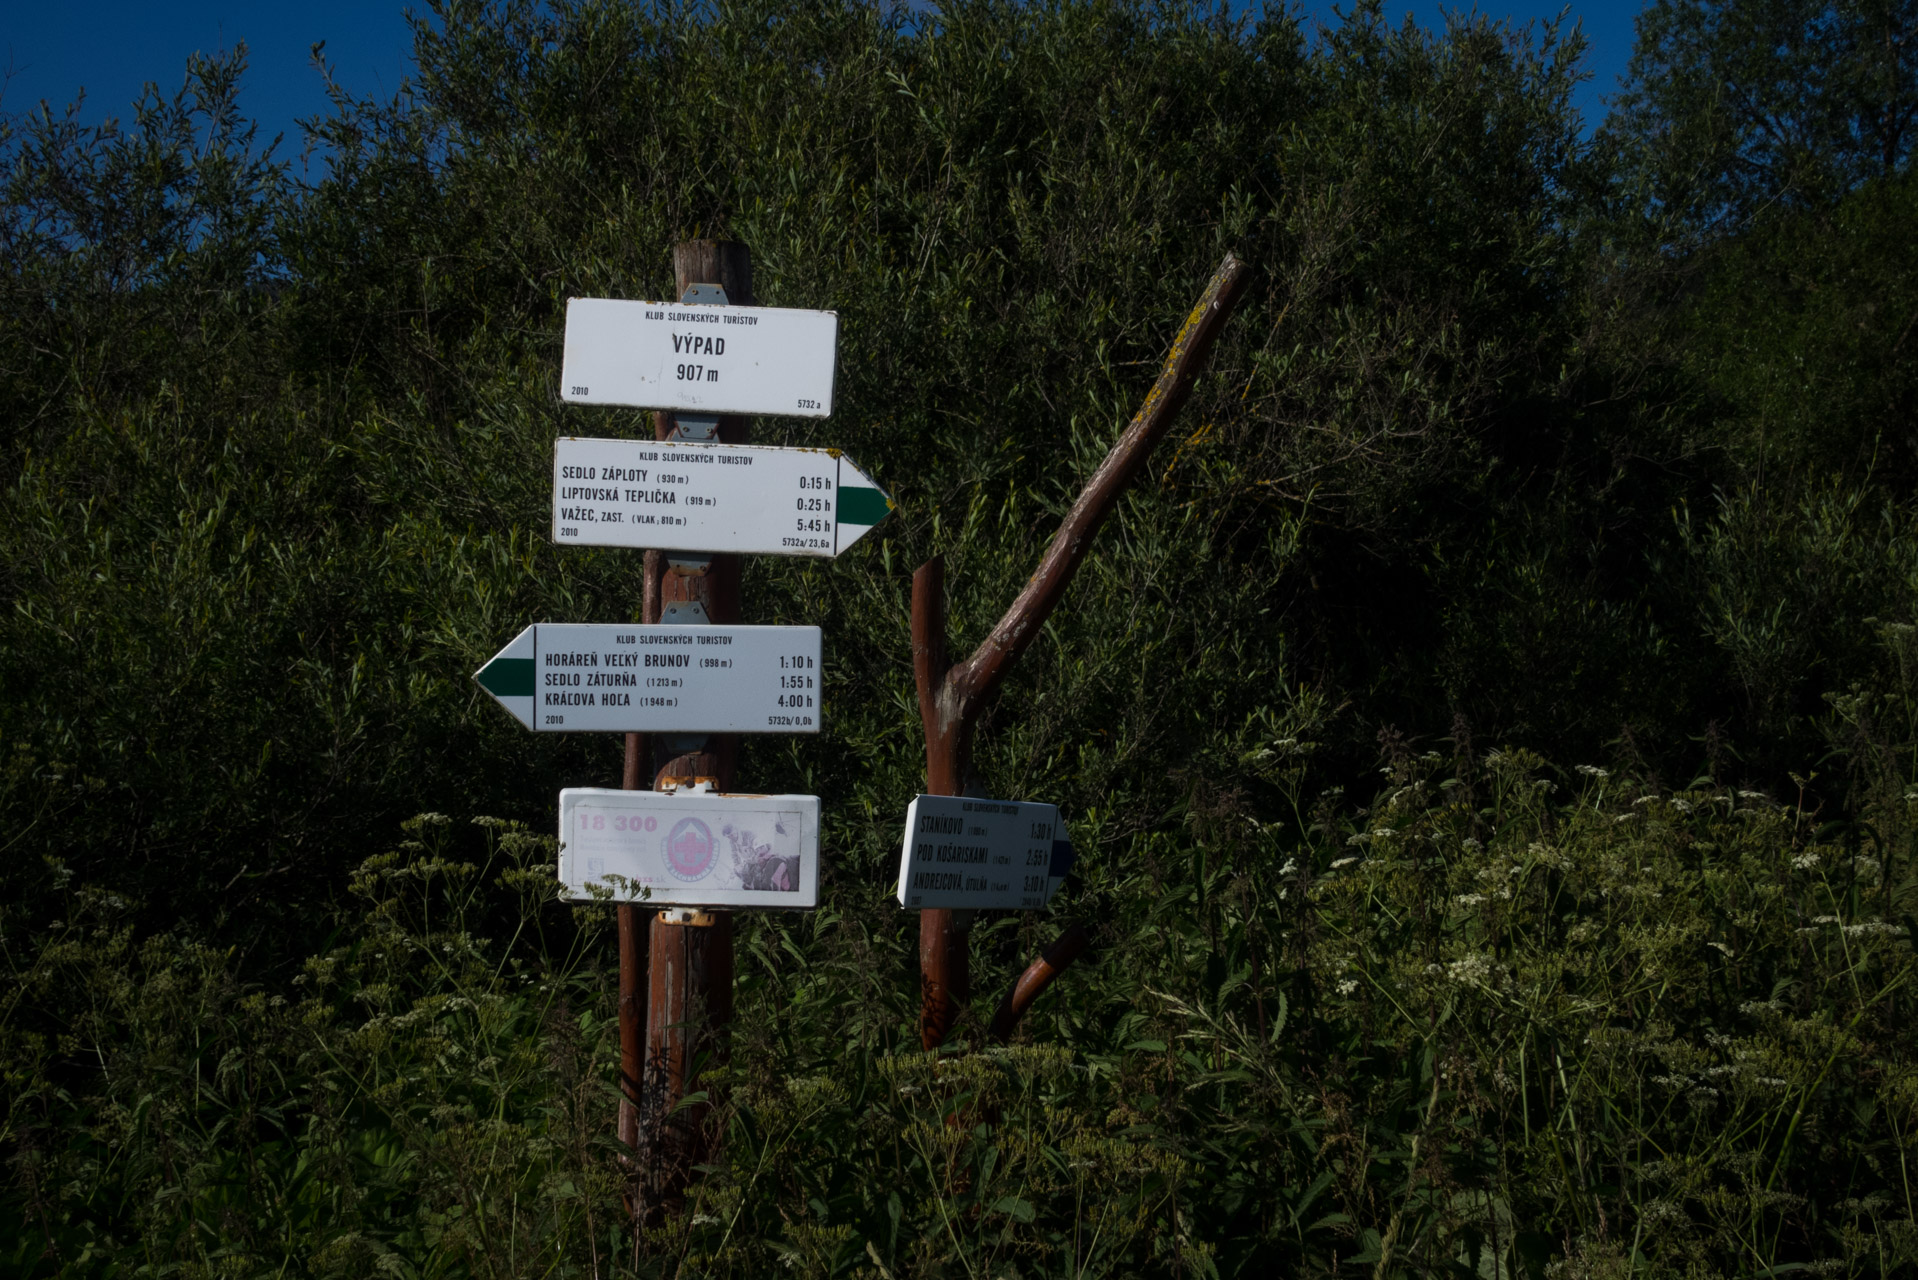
966, 852
595, 678
714, 359
689, 848
681, 496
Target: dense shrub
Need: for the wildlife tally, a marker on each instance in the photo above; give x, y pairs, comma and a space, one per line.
1470, 1023
1498, 452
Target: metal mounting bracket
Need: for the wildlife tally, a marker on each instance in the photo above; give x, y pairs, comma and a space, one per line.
691, 613
698, 426
684, 613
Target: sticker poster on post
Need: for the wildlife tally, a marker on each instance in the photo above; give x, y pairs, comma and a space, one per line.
692, 847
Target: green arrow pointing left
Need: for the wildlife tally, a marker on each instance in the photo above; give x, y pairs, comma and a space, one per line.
507, 677
510, 678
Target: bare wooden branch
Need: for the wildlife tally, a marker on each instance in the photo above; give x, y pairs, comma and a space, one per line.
982, 673
929, 666
1037, 977
951, 698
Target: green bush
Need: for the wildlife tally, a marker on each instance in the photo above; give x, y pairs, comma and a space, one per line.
1480, 461
1468, 1024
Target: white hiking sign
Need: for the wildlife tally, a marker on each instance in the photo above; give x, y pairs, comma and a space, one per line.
701, 496
699, 357
629, 678
962, 851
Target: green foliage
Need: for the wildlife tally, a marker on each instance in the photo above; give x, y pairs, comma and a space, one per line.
1800, 331
1735, 106
272, 566
1464, 1025
1493, 453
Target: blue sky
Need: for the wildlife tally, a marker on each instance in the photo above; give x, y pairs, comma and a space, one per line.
111, 48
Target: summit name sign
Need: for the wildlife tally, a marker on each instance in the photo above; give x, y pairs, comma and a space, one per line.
699, 357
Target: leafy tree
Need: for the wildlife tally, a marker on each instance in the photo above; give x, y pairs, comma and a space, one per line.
1733, 107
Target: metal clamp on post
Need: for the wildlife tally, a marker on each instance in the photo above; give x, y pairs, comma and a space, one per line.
696, 428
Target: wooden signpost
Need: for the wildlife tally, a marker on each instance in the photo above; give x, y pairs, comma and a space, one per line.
693, 678
687, 674
953, 694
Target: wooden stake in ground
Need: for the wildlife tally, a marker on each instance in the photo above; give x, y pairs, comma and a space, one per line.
951, 696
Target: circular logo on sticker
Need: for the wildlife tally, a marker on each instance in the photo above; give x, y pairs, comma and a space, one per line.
689, 849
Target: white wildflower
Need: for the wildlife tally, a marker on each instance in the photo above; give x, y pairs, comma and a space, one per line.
1593, 771
1471, 969
1806, 860
1469, 899
1348, 986
1291, 865
1343, 862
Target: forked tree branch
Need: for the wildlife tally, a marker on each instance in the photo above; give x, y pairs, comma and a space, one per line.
954, 704
951, 698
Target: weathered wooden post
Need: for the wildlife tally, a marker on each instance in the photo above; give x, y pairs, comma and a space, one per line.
689, 1000
633, 943
952, 695
688, 677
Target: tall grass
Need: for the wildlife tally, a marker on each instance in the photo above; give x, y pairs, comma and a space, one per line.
1496, 1021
